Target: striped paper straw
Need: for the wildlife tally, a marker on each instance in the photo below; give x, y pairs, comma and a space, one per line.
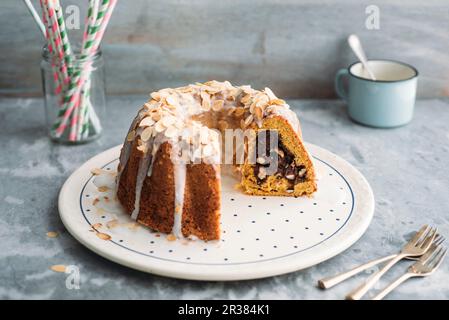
66, 47
83, 123
89, 48
57, 75
58, 43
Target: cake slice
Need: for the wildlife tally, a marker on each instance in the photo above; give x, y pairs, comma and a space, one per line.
282, 166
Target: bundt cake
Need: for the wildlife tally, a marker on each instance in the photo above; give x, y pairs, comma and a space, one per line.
169, 171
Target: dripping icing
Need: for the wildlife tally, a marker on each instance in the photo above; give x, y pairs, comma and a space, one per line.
180, 181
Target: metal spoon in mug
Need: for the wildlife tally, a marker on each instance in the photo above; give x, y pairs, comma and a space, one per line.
356, 46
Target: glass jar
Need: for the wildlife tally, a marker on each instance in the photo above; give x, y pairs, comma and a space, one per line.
74, 97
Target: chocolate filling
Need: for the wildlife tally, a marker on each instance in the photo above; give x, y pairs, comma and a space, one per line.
286, 168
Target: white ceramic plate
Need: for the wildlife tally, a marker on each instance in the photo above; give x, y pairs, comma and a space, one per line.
261, 236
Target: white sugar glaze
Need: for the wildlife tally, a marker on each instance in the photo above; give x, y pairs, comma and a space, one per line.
168, 117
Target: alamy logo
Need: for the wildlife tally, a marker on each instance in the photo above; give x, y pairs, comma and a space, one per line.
72, 20
372, 21
72, 281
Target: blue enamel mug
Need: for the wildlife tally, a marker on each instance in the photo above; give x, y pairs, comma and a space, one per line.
385, 102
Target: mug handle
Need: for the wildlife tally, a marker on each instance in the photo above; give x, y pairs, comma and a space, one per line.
339, 88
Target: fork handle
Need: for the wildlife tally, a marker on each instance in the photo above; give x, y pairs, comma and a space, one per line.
329, 282
392, 286
360, 291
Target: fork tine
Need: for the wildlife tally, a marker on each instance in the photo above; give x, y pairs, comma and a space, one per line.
427, 241
439, 239
423, 236
438, 258
430, 254
418, 234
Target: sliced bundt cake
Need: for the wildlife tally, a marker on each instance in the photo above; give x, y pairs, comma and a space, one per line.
169, 171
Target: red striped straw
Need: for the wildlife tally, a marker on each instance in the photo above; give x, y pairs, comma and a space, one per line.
56, 76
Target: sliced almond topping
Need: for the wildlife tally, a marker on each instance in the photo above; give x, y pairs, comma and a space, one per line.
156, 96
96, 171
143, 148
278, 102
132, 225
205, 101
239, 112
258, 113
146, 134
146, 122
103, 236
156, 116
168, 121
112, 224
218, 105
270, 94
103, 188
262, 103
172, 100
171, 132
171, 237
246, 98
131, 135
222, 125
231, 111
58, 268
179, 124
52, 234
248, 120
96, 225
159, 126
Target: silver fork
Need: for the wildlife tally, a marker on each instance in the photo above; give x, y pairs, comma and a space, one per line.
331, 281
417, 246
424, 267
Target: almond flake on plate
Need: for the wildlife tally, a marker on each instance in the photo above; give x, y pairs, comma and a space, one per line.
171, 237
58, 268
96, 225
112, 224
103, 188
96, 171
52, 234
103, 236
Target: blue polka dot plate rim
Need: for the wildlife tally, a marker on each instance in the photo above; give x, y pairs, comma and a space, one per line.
261, 236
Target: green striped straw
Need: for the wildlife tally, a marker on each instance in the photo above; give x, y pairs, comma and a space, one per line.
71, 99
83, 122
66, 47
